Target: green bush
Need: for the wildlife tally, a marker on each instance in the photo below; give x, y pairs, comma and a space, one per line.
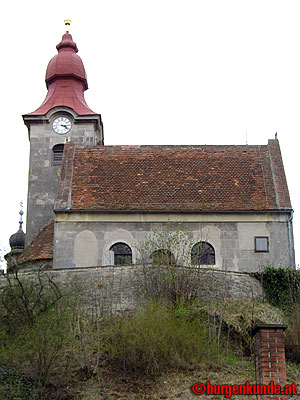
15, 386
54, 343
37, 347
281, 285
282, 288
155, 339
293, 334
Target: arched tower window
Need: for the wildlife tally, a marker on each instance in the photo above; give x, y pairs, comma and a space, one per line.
203, 253
122, 254
57, 154
163, 256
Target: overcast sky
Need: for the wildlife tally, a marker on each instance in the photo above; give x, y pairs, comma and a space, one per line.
159, 72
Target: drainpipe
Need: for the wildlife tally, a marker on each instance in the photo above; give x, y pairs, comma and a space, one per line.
290, 239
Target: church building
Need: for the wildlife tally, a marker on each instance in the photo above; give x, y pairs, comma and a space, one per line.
93, 205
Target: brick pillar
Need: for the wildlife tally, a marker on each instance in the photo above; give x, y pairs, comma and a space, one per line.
270, 356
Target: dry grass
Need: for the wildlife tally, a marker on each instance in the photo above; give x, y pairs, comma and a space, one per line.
173, 386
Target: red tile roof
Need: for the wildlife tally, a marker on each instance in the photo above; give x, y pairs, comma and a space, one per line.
177, 178
41, 248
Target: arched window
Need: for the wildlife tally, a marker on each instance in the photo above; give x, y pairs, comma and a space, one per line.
203, 253
57, 154
163, 256
122, 254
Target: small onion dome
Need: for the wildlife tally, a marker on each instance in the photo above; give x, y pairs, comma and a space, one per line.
17, 240
66, 63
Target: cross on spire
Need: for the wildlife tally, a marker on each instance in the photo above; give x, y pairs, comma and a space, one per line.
21, 215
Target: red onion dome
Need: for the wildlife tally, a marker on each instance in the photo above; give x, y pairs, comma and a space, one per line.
66, 64
66, 80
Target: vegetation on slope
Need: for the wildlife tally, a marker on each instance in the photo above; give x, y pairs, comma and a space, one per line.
51, 348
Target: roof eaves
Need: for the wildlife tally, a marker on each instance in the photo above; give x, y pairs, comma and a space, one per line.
272, 211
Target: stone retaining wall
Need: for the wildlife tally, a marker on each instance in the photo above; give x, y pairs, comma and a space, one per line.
121, 288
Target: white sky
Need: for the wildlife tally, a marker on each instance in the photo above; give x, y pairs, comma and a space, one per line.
159, 72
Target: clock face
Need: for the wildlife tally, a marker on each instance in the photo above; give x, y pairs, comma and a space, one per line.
61, 125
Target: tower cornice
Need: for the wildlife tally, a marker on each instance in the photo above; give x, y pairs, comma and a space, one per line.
30, 119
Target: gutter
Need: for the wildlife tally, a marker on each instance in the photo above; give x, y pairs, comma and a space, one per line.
290, 240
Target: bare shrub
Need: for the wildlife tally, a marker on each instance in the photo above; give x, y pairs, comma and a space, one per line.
23, 298
168, 270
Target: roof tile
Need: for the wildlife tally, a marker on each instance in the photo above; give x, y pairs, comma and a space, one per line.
173, 178
41, 248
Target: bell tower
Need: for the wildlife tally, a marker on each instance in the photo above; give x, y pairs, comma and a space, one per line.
64, 116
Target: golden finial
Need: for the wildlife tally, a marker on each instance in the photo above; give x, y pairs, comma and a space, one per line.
67, 23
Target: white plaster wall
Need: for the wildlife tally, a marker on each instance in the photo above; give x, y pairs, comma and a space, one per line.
248, 231
85, 249
233, 241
